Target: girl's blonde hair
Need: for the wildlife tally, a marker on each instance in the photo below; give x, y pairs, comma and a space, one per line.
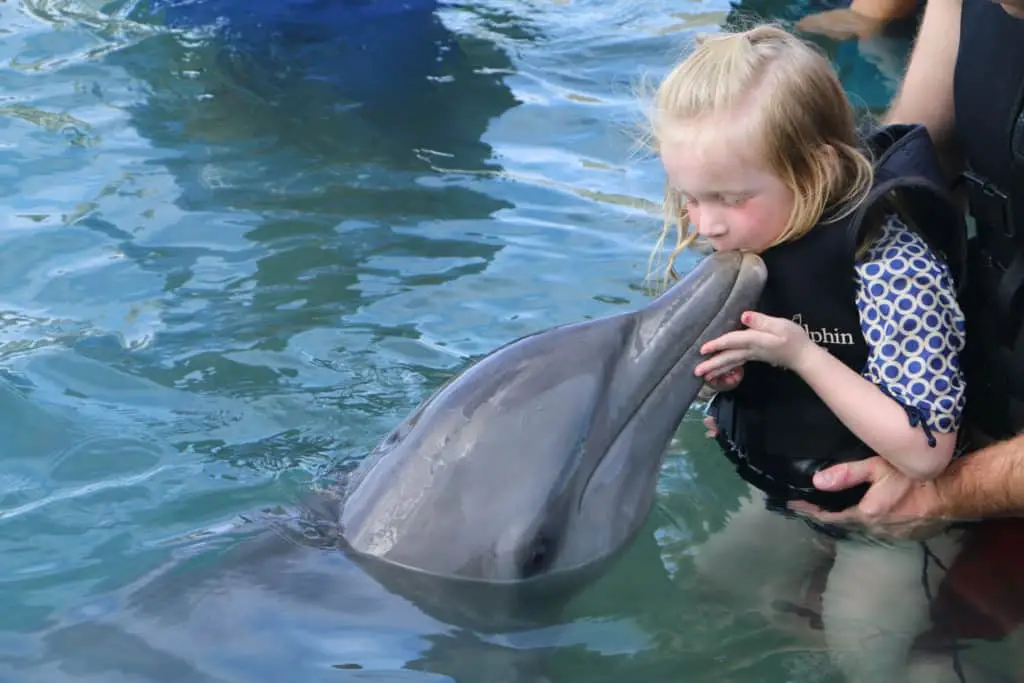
796, 112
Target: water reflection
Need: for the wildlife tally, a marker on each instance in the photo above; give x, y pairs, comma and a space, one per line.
298, 204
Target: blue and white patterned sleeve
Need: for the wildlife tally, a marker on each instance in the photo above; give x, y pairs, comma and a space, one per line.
913, 326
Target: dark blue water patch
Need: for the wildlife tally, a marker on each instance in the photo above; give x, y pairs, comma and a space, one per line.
312, 15
370, 52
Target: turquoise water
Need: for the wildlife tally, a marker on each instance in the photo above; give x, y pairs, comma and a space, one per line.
217, 279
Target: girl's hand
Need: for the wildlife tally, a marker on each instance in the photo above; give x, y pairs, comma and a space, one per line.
725, 381
771, 340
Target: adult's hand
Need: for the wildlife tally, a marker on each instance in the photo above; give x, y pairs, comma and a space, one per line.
894, 506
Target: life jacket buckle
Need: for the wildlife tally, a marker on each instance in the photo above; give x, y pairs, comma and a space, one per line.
989, 204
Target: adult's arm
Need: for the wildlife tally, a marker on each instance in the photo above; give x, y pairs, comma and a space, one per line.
986, 483
926, 94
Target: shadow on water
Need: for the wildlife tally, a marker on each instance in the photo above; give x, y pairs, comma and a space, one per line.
343, 85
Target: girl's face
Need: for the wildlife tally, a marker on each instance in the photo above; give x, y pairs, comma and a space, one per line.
733, 201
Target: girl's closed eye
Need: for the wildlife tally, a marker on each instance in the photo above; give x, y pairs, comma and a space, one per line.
723, 199
735, 200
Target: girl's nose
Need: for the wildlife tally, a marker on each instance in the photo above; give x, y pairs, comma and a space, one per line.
709, 223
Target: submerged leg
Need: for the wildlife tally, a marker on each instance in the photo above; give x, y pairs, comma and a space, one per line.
878, 600
762, 559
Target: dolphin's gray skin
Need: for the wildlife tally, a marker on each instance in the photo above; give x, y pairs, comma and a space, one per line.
532, 469
543, 456
507, 492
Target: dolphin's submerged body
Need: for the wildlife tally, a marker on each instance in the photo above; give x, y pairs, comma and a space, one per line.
500, 498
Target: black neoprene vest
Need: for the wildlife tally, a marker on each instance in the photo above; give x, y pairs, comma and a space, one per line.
988, 94
773, 427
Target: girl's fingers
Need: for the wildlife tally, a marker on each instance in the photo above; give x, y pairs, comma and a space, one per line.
729, 340
721, 363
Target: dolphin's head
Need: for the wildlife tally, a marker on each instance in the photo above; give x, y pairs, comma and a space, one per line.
543, 457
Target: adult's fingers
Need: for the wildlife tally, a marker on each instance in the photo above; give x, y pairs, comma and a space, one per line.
847, 474
850, 516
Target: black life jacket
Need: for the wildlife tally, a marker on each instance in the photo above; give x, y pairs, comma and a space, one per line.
988, 96
773, 427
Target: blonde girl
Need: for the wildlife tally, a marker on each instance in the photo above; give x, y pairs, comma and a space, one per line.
854, 347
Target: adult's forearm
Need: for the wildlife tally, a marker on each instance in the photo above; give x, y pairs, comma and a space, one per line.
987, 483
926, 94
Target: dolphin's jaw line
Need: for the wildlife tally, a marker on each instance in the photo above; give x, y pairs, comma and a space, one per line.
468, 579
705, 336
671, 374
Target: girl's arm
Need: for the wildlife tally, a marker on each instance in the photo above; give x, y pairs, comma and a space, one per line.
907, 402
907, 406
875, 418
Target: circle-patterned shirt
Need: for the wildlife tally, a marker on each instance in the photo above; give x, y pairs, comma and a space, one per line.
913, 326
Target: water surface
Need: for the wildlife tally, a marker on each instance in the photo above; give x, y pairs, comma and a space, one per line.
224, 267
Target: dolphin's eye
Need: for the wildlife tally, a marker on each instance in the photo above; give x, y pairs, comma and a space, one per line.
538, 557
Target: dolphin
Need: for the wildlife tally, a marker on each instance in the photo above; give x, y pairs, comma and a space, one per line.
518, 482
481, 516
